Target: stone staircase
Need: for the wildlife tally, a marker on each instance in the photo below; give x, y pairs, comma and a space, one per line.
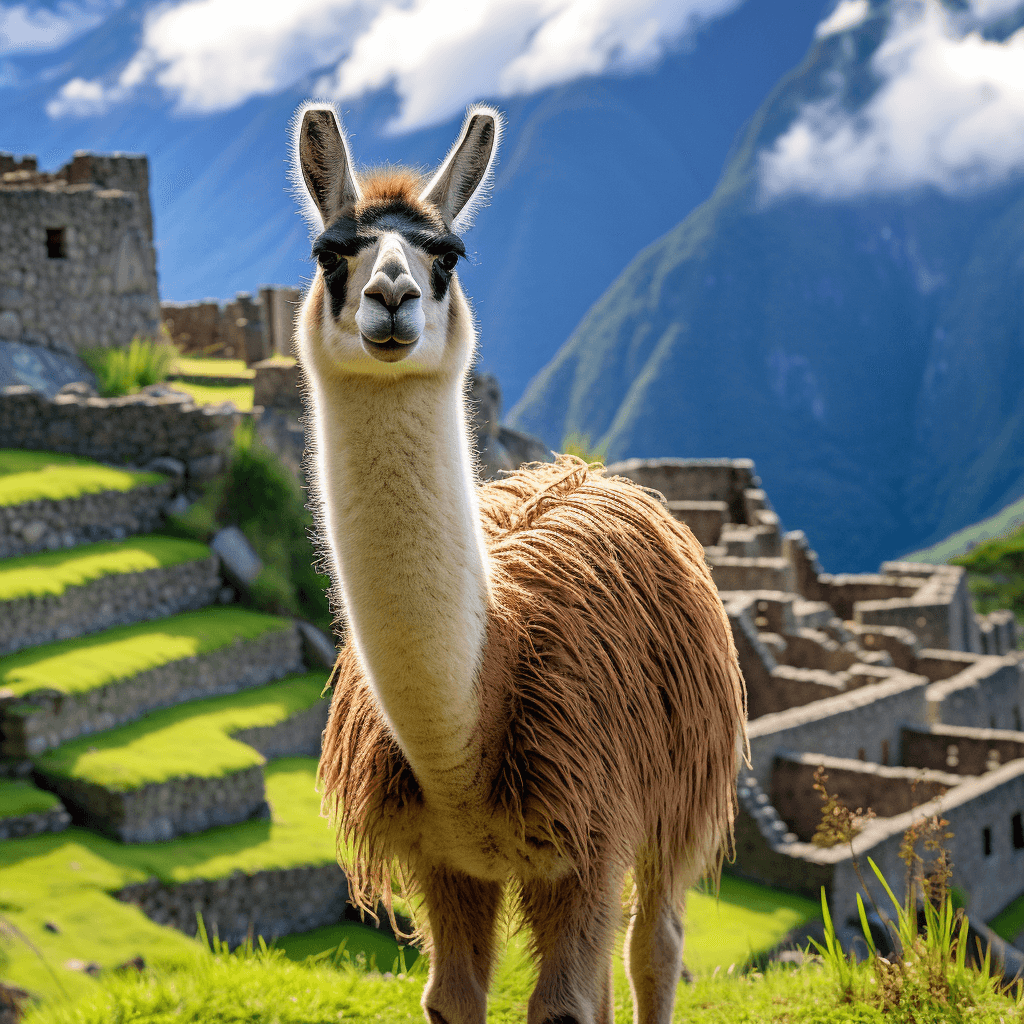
139, 701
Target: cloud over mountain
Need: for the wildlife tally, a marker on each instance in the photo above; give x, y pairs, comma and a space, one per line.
438, 55
948, 110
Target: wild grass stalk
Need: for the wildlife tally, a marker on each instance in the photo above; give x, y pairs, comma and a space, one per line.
124, 371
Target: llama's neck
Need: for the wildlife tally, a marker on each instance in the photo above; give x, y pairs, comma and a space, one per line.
401, 515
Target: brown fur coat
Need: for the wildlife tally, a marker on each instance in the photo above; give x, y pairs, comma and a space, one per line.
612, 699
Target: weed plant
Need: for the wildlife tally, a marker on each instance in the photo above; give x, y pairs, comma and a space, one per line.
121, 371
581, 445
260, 496
928, 978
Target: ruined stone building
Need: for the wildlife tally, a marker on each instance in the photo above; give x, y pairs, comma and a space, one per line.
77, 263
889, 680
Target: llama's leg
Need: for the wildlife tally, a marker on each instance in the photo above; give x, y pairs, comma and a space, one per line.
654, 951
573, 934
462, 913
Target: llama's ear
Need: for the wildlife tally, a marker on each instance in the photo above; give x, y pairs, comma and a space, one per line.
460, 185
322, 162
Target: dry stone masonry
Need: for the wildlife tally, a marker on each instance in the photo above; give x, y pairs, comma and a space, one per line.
77, 263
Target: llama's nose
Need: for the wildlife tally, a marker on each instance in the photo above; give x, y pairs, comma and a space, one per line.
391, 284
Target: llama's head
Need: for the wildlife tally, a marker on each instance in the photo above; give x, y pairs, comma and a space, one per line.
386, 297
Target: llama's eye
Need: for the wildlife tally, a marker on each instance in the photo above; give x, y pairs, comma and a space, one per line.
448, 261
328, 260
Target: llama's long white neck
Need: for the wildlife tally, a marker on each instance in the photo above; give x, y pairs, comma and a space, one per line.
401, 515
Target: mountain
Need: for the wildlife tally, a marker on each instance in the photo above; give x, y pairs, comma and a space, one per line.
864, 350
590, 171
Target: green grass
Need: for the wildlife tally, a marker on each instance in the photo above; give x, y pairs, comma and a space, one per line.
89, 662
215, 394
31, 476
209, 366
1010, 921
123, 371
50, 573
189, 740
266, 987
18, 797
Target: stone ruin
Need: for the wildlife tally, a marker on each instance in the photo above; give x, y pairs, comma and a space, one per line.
77, 264
247, 328
909, 699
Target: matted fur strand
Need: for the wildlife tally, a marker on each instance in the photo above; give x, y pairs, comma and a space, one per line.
611, 695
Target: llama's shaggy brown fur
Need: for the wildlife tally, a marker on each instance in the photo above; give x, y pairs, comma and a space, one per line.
610, 692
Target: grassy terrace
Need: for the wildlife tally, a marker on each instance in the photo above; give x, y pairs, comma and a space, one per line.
18, 797
189, 740
50, 573
89, 662
31, 476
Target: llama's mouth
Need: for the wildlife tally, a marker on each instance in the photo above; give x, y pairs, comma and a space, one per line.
390, 351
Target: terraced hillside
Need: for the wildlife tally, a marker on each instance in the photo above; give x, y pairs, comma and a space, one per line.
158, 741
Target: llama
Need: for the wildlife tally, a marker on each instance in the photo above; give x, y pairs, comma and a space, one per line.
539, 696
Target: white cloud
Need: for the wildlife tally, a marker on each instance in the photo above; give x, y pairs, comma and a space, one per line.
29, 28
948, 113
438, 55
849, 14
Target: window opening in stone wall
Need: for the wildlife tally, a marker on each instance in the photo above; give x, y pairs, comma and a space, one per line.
55, 248
986, 841
1016, 718
885, 751
1017, 831
862, 754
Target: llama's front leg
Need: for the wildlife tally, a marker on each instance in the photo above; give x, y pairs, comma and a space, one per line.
462, 913
654, 954
573, 934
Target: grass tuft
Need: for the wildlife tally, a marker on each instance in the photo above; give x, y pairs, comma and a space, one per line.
123, 371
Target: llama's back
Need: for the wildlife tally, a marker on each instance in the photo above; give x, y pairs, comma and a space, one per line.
628, 699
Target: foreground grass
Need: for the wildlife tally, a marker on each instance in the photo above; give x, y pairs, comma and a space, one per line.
50, 573
33, 476
89, 662
188, 740
268, 988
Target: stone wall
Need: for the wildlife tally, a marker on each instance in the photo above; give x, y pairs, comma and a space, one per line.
987, 695
109, 601
46, 524
845, 725
132, 430
163, 810
269, 903
887, 791
77, 263
961, 750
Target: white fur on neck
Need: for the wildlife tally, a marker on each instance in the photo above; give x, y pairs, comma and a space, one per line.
400, 512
